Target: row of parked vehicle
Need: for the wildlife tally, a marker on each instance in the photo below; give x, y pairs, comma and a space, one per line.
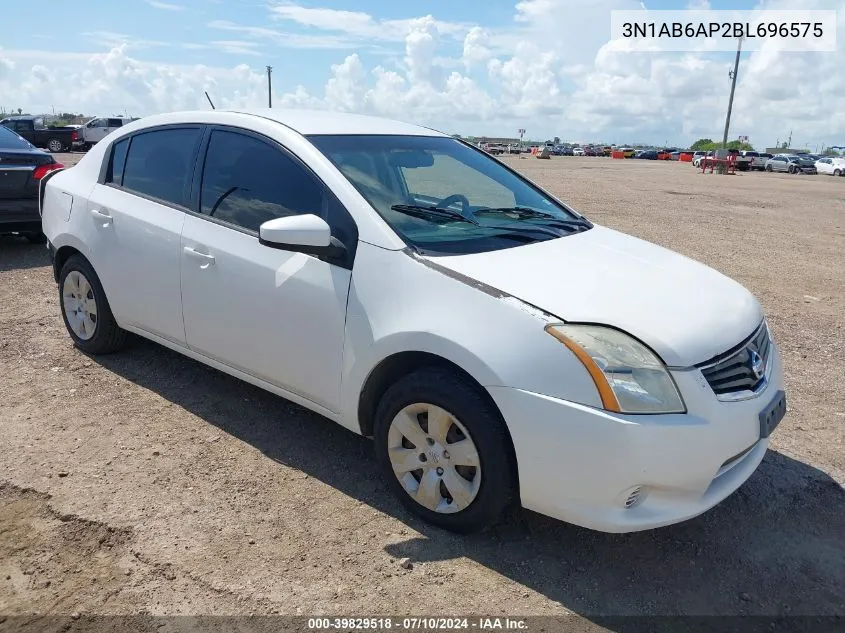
40, 133
802, 163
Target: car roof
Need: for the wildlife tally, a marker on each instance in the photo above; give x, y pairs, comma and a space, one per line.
308, 122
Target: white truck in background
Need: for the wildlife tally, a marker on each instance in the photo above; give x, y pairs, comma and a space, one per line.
757, 160
98, 128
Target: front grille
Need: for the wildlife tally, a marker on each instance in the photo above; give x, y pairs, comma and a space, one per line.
734, 371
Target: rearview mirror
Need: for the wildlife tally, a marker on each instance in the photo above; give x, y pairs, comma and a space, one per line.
308, 234
411, 159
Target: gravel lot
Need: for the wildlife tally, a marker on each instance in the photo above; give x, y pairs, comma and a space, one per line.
146, 482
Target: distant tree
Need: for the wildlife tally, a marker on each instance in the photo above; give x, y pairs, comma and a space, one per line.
707, 145
557, 140
20, 111
702, 145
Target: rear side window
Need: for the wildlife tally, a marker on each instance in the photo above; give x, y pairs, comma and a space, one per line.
247, 181
118, 161
10, 140
159, 163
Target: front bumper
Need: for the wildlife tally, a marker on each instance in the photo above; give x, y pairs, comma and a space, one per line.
580, 464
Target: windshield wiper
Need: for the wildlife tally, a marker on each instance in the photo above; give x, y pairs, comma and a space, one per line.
524, 213
426, 213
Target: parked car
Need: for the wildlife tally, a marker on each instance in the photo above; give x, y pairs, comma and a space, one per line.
578, 151
628, 152
98, 128
700, 157
22, 166
648, 154
514, 148
567, 151
756, 160
234, 238
790, 163
831, 166
34, 130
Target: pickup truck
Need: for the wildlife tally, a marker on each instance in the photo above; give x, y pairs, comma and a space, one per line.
33, 129
757, 160
97, 129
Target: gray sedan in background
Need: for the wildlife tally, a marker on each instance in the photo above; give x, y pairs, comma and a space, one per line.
791, 164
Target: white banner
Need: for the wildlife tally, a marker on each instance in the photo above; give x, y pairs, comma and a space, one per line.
706, 30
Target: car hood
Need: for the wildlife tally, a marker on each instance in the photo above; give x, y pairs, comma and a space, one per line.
685, 311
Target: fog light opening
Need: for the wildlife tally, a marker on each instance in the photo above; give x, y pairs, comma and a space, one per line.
634, 497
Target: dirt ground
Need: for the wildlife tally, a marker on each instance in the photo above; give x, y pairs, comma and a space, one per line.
145, 482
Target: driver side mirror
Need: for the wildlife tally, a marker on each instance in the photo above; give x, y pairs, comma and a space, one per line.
309, 234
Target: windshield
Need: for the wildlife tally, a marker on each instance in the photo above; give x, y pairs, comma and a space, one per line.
443, 197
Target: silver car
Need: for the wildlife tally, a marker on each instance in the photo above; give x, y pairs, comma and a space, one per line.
790, 164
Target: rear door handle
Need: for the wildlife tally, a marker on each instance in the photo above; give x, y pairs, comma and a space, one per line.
104, 217
192, 252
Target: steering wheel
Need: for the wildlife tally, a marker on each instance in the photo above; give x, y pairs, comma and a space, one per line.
450, 200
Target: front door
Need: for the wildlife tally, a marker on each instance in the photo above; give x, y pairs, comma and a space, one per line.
277, 315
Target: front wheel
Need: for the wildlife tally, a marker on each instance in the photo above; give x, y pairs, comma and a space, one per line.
55, 145
444, 450
85, 309
768, 168
837, 172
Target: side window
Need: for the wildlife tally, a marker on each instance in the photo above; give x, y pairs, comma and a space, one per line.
118, 161
160, 163
98, 123
247, 182
114, 123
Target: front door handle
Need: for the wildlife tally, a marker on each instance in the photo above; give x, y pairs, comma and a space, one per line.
102, 216
192, 252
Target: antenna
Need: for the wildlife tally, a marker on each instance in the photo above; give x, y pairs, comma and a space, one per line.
210, 102
269, 87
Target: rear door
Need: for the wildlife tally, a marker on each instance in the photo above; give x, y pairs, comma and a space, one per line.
134, 226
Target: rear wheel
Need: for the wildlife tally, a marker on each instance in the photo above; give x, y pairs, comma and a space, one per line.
85, 309
444, 450
837, 172
55, 145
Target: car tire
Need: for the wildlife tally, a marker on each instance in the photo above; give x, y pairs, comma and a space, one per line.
35, 237
768, 168
466, 413
837, 172
80, 290
55, 145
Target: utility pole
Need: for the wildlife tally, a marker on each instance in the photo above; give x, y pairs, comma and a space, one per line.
731, 101
269, 87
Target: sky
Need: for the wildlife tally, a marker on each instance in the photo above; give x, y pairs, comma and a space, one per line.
477, 67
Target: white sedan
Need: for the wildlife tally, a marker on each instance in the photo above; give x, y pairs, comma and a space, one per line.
831, 166
578, 151
498, 346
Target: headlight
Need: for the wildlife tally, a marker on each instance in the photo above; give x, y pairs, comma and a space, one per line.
628, 376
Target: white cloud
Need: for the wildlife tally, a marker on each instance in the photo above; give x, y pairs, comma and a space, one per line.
357, 23
476, 47
166, 6
552, 71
